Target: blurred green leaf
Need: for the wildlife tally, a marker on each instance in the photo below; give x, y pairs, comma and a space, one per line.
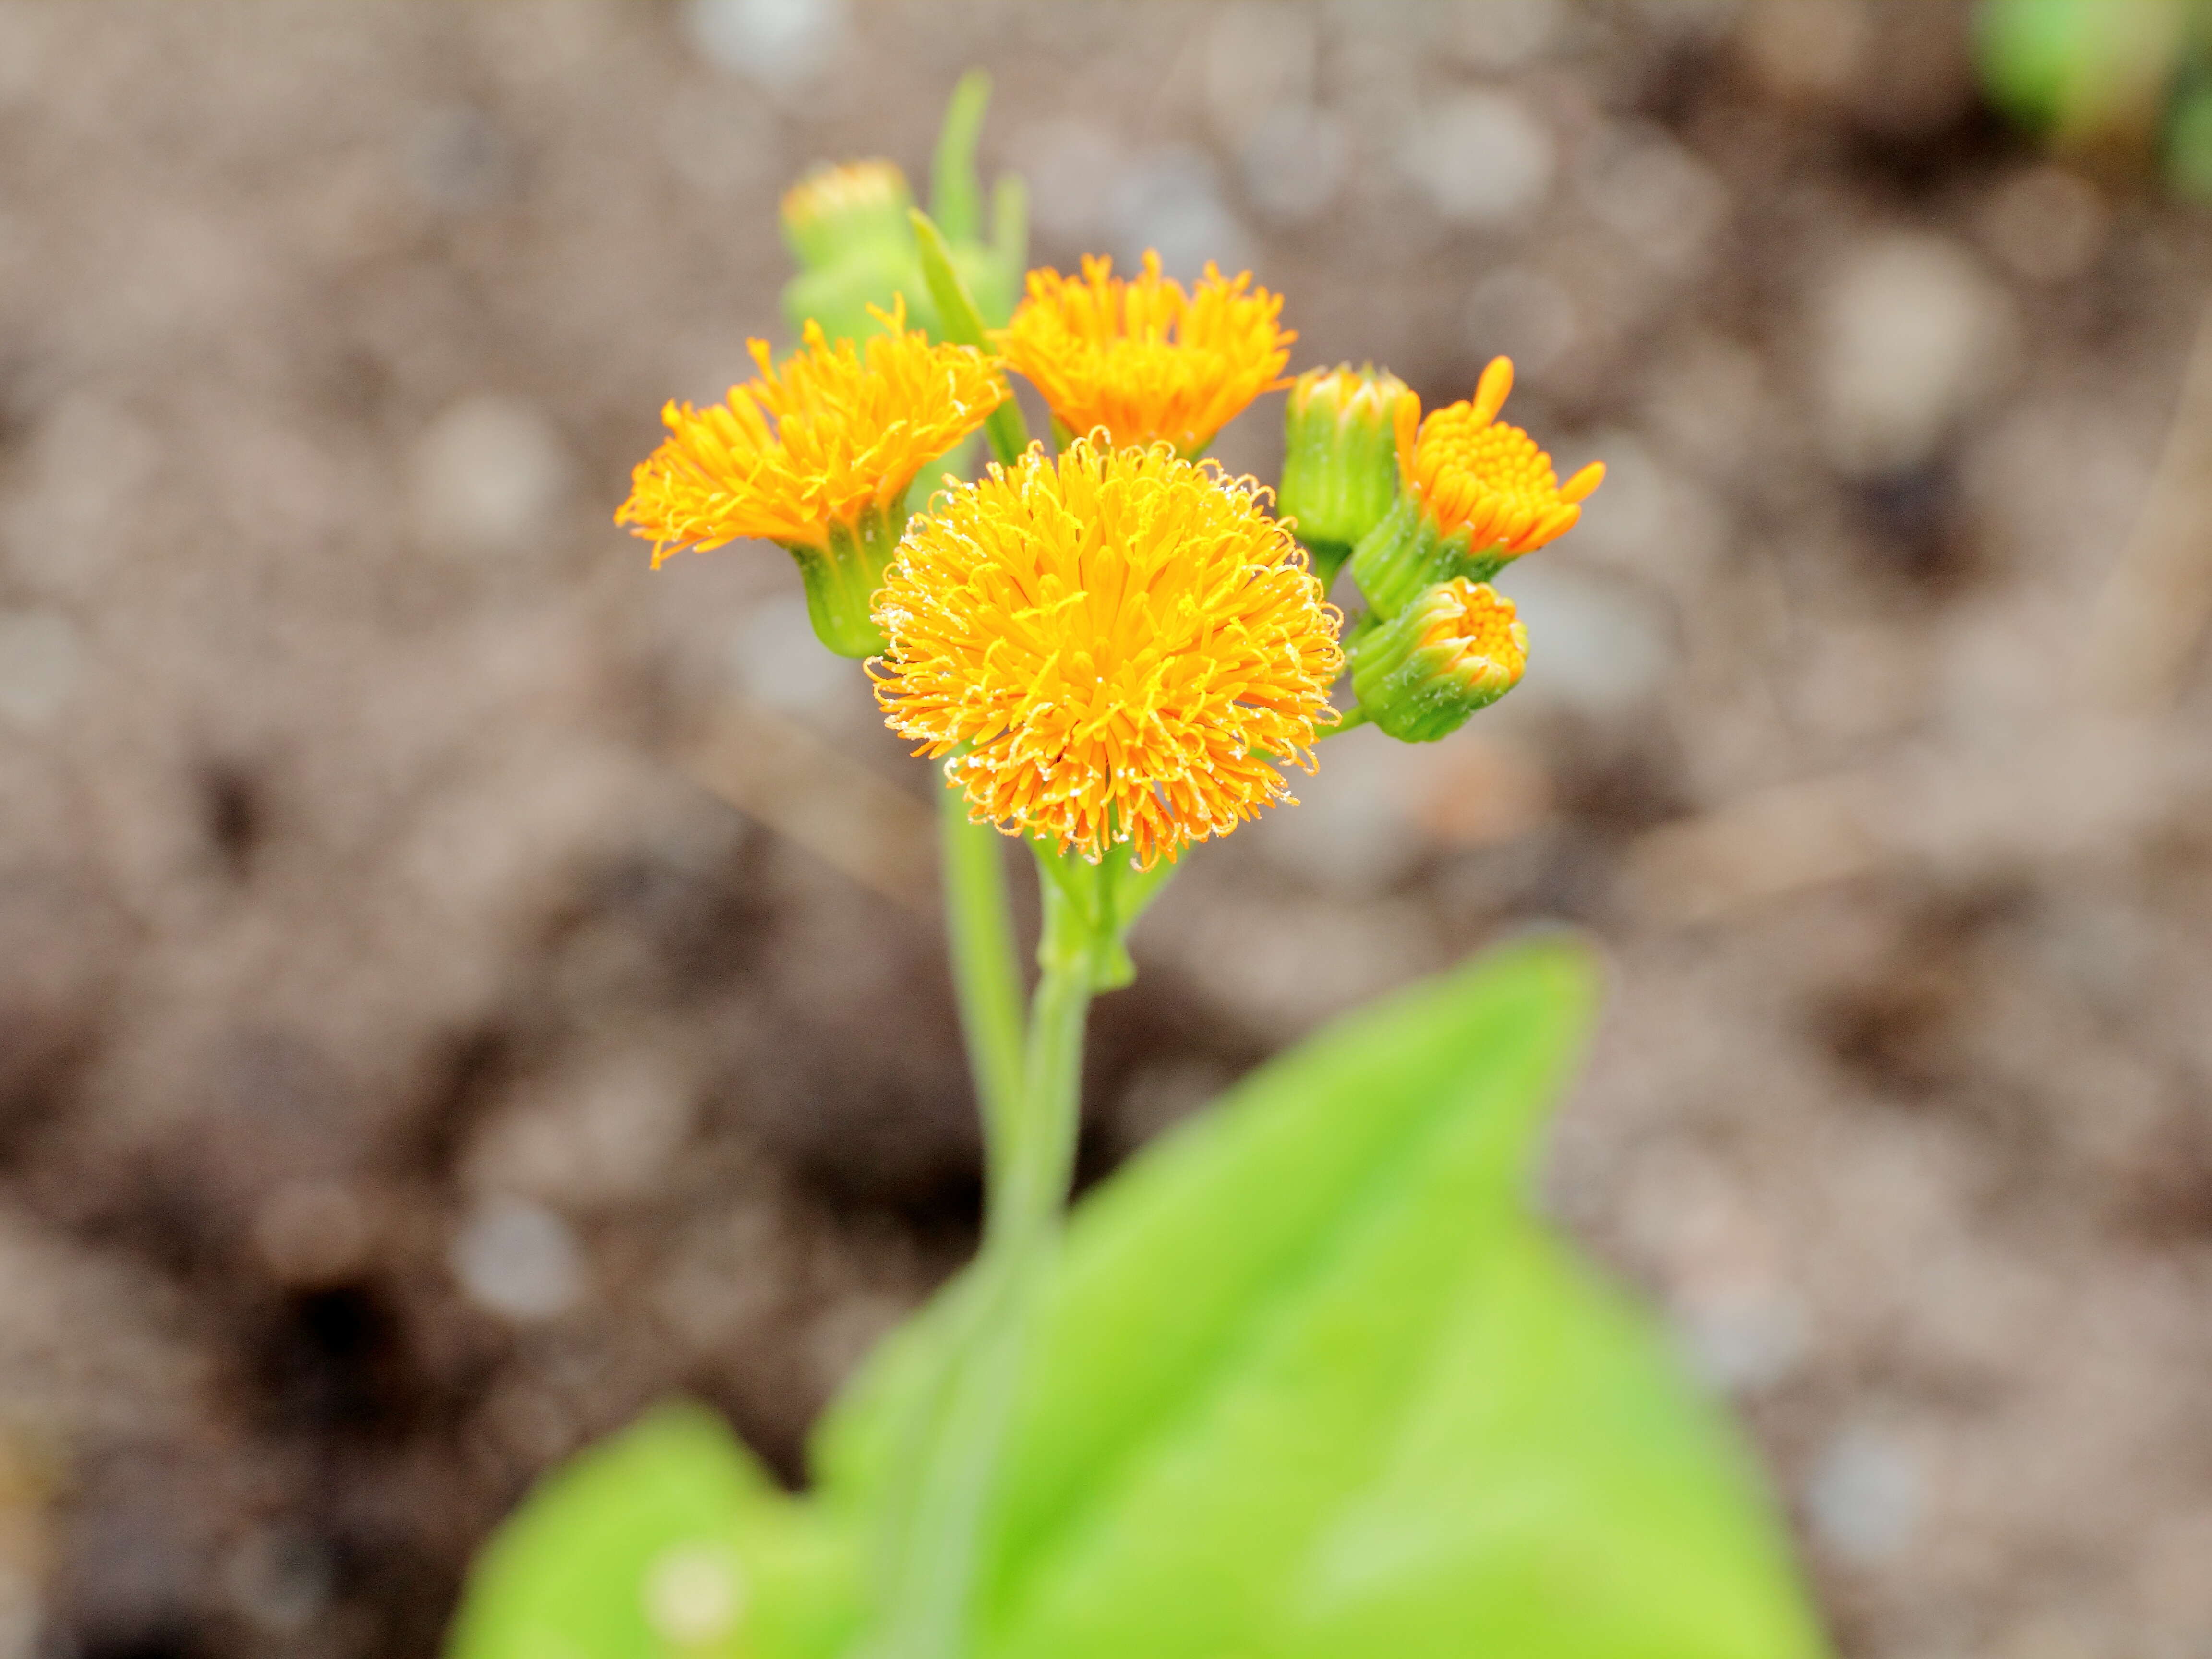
667, 1540
1311, 1383
838, 296
956, 195
2188, 145
2080, 69
1010, 233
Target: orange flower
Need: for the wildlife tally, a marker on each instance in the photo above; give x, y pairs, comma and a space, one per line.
1472, 472
1116, 647
1142, 359
835, 433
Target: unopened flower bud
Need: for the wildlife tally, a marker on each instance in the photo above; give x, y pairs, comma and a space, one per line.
1457, 647
836, 212
851, 230
1341, 457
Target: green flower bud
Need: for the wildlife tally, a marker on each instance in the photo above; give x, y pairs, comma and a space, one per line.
1341, 457
836, 212
1457, 647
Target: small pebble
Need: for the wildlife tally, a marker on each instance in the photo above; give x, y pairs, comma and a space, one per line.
41, 661
488, 475
1503, 34
2046, 223
1518, 312
1481, 158
518, 1260
1171, 200
1075, 171
1864, 1497
1296, 162
773, 42
1909, 333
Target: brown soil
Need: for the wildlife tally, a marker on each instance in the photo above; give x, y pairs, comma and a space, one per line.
408, 1069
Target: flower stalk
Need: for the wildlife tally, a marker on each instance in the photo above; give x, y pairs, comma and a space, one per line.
935, 1564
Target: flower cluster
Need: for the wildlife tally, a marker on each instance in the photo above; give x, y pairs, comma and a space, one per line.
1111, 643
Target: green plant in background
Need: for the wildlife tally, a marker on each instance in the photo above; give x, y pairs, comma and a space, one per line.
2128, 75
1306, 1377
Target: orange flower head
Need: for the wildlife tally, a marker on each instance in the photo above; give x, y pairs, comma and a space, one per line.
1115, 647
1141, 358
835, 433
1473, 472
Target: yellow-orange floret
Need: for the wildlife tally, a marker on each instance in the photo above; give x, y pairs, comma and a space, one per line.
1478, 635
1141, 358
835, 433
1117, 646
1471, 471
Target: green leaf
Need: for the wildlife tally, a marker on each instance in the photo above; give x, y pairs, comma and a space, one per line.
1311, 1383
964, 325
2189, 144
956, 195
666, 1540
2080, 67
838, 296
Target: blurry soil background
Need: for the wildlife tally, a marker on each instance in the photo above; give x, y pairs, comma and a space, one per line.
456, 986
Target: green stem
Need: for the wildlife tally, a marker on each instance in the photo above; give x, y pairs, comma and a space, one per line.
931, 1596
1028, 1199
1353, 716
979, 931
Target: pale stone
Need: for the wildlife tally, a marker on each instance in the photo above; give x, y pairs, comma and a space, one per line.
1911, 334
774, 42
518, 1260
40, 663
1865, 1496
1481, 158
488, 476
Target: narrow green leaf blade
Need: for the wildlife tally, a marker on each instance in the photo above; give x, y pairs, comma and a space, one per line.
955, 194
964, 325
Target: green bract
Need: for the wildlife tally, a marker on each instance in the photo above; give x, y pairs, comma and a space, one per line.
1405, 556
